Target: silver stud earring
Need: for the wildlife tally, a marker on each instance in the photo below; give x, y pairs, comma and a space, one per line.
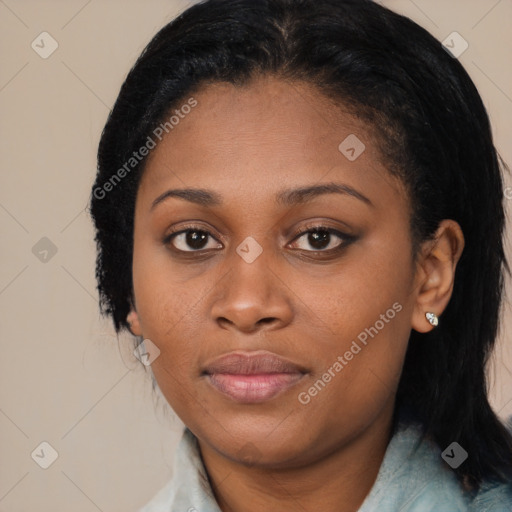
433, 319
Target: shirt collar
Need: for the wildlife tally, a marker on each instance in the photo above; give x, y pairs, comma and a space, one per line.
412, 475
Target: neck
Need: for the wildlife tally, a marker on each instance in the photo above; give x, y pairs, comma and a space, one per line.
337, 481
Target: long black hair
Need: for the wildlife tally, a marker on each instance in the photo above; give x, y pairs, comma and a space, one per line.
433, 133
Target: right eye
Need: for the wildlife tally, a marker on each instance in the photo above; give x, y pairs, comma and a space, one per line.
191, 239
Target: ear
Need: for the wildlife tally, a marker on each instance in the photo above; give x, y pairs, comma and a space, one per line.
134, 322
435, 273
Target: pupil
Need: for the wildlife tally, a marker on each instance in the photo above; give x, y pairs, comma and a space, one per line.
196, 239
318, 239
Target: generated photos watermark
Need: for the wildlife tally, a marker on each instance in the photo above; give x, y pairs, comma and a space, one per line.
137, 156
454, 455
305, 397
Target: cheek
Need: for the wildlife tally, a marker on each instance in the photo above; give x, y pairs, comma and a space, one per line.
367, 307
367, 283
358, 368
168, 311
163, 294
167, 307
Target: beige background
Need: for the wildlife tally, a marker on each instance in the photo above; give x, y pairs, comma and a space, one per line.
64, 377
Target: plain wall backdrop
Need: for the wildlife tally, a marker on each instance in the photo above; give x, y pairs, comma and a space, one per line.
65, 379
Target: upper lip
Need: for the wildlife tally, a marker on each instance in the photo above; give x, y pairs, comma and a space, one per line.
251, 363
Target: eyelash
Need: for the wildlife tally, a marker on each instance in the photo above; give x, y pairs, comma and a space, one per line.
345, 239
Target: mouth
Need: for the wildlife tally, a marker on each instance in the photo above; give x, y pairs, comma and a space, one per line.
252, 377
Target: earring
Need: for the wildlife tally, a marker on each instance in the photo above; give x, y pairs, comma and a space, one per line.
433, 319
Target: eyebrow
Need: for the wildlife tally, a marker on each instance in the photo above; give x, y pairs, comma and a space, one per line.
303, 194
289, 197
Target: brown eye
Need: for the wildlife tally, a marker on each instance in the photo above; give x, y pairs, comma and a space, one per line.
191, 240
321, 239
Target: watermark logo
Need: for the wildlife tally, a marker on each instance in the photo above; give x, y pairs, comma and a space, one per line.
455, 45
44, 45
249, 454
454, 455
249, 249
146, 352
44, 250
44, 455
352, 147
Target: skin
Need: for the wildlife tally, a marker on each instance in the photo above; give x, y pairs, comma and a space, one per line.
247, 144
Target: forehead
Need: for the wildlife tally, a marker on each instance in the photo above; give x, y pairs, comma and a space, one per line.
263, 136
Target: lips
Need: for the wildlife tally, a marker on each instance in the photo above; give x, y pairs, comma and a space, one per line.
252, 377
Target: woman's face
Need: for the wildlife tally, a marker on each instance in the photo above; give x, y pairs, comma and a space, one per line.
314, 324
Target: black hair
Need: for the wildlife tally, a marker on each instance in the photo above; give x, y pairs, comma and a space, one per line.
433, 132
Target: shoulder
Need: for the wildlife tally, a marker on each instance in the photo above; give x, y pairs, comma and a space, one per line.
415, 478
493, 497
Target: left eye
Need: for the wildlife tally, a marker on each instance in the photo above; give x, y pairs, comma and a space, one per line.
321, 239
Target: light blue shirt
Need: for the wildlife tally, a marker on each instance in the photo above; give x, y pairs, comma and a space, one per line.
413, 477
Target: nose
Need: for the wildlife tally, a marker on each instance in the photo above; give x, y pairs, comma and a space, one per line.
252, 297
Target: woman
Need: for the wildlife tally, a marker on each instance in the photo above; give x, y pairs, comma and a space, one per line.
299, 208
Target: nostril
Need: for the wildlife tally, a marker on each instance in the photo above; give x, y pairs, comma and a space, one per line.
266, 320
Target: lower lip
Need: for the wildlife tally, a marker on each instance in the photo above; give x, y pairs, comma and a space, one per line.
253, 388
